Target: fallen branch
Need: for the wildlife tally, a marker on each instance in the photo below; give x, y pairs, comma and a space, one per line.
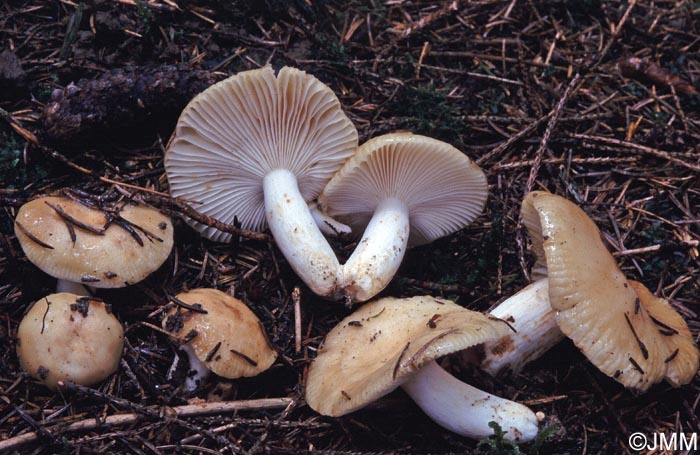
642, 148
650, 72
120, 100
222, 407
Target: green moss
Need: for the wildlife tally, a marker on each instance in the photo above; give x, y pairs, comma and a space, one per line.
427, 110
498, 445
14, 173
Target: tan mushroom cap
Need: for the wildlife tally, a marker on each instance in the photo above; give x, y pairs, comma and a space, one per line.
602, 312
443, 189
683, 361
111, 260
230, 339
378, 347
66, 337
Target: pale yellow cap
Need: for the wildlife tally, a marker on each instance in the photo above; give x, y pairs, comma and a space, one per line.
67, 337
110, 260
614, 321
227, 337
378, 347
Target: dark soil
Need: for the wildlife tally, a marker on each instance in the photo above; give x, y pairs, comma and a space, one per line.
542, 94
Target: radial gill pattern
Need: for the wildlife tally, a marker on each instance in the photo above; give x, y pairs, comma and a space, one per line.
232, 134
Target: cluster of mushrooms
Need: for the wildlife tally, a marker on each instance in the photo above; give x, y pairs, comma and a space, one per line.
276, 150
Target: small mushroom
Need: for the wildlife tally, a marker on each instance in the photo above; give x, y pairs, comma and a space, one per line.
81, 245
219, 333
257, 148
67, 337
394, 342
624, 330
403, 190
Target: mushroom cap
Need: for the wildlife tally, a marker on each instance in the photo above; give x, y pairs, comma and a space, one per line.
684, 358
597, 307
67, 337
230, 339
111, 260
443, 189
235, 132
378, 347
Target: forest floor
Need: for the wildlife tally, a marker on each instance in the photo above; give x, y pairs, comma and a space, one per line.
589, 99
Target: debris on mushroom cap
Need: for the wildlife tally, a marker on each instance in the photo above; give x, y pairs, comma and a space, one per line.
73, 242
223, 332
443, 189
683, 361
597, 307
66, 337
378, 347
238, 130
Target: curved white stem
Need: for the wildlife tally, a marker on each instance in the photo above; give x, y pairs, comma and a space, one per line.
326, 224
72, 287
298, 236
529, 313
466, 410
379, 253
198, 370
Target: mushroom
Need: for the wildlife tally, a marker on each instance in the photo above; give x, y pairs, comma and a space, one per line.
257, 148
406, 190
624, 330
83, 245
219, 333
394, 342
536, 330
67, 337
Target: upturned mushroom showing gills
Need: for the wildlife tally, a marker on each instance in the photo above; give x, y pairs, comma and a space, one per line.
219, 333
257, 148
67, 337
624, 330
82, 245
394, 342
403, 190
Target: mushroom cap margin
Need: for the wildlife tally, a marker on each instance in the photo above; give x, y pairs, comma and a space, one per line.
378, 347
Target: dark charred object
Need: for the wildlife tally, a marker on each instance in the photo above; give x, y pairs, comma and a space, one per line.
13, 79
121, 103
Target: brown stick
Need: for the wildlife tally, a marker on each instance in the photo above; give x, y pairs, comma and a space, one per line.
296, 298
219, 407
642, 148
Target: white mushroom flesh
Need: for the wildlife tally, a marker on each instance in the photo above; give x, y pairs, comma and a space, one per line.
536, 330
297, 234
466, 410
198, 371
378, 254
326, 224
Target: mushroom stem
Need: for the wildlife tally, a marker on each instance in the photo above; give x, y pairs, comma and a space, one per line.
298, 236
198, 370
529, 313
466, 410
73, 288
326, 224
379, 253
